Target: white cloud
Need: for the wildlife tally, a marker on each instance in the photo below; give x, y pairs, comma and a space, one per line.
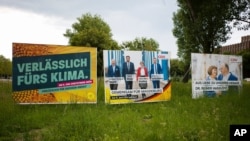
45, 21
236, 36
27, 27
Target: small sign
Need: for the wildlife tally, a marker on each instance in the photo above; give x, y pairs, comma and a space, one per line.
239, 132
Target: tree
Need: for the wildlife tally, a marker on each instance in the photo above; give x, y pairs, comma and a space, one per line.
201, 26
240, 14
246, 62
5, 67
141, 44
92, 31
176, 68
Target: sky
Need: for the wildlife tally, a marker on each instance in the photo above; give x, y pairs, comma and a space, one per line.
45, 21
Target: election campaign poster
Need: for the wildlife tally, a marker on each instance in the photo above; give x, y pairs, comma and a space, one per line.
136, 76
54, 74
214, 75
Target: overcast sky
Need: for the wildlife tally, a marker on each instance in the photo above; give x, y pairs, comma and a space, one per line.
45, 21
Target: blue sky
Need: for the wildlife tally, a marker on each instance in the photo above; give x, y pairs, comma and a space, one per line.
45, 21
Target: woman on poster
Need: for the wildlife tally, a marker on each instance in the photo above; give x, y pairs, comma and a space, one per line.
142, 71
212, 72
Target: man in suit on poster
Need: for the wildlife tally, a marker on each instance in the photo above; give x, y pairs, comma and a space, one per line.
113, 71
226, 75
155, 69
128, 68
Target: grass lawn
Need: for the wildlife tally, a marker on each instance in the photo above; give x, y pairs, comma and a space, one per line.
181, 118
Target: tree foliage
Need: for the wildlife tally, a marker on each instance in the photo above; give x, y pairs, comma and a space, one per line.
246, 62
201, 26
204, 25
92, 31
141, 44
240, 14
176, 68
5, 67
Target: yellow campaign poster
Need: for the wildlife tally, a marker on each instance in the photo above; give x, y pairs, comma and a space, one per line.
54, 74
136, 76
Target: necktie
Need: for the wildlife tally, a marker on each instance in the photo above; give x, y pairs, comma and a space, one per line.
128, 65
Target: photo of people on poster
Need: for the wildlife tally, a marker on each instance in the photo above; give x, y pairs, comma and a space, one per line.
142, 73
214, 75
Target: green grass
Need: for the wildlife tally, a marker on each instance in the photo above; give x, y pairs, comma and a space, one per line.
181, 118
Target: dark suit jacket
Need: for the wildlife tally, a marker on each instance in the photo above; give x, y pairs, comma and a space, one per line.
115, 73
159, 71
230, 78
125, 69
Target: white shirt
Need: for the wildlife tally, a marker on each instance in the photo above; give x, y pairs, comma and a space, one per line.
210, 78
225, 78
142, 72
128, 65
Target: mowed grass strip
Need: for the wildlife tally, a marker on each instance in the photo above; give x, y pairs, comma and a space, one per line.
181, 118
